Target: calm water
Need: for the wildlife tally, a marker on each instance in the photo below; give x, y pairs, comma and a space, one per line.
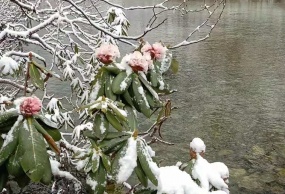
231, 92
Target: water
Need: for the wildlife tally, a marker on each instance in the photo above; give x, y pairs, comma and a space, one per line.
231, 91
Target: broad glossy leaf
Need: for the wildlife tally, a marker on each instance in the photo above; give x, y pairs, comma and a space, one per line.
100, 178
10, 143
45, 134
13, 165
35, 76
35, 159
45, 122
7, 120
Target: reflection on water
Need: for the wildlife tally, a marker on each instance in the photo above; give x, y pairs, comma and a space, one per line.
231, 92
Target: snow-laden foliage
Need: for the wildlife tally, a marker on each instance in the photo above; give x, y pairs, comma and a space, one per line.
81, 43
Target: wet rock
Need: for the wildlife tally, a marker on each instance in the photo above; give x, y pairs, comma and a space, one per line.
237, 172
257, 151
251, 183
225, 152
281, 176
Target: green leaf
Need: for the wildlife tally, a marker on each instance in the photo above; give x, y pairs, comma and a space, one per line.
13, 165
36, 77
10, 142
100, 178
35, 159
174, 66
7, 120
54, 133
45, 122
3, 177
45, 70
106, 162
76, 48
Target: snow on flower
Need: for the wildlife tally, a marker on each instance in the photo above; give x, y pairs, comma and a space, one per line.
198, 145
8, 65
107, 53
207, 175
157, 51
136, 61
30, 106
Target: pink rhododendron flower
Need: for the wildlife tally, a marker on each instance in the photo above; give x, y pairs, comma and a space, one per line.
157, 51
107, 53
136, 61
30, 106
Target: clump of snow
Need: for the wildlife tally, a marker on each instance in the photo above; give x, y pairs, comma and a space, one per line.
128, 162
3, 99
207, 175
77, 130
222, 169
198, 145
92, 183
8, 65
142, 93
55, 165
174, 181
150, 151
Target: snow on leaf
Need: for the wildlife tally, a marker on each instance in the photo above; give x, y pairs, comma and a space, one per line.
8, 65
127, 162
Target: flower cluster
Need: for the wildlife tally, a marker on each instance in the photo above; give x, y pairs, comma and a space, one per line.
136, 61
30, 106
157, 51
107, 53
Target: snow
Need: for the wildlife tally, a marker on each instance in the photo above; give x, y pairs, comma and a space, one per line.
207, 175
102, 127
92, 183
94, 92
9, 137
53, 104
174, 181
198, 145
77, 130
2, 100
150, 151
161, 84
222, 169
8, 65
57, 172
18, 102
141, 91
128, 162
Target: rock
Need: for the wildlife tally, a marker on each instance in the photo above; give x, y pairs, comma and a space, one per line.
257, 151
225, 152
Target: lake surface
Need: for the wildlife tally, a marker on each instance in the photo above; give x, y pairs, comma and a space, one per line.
231, 92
